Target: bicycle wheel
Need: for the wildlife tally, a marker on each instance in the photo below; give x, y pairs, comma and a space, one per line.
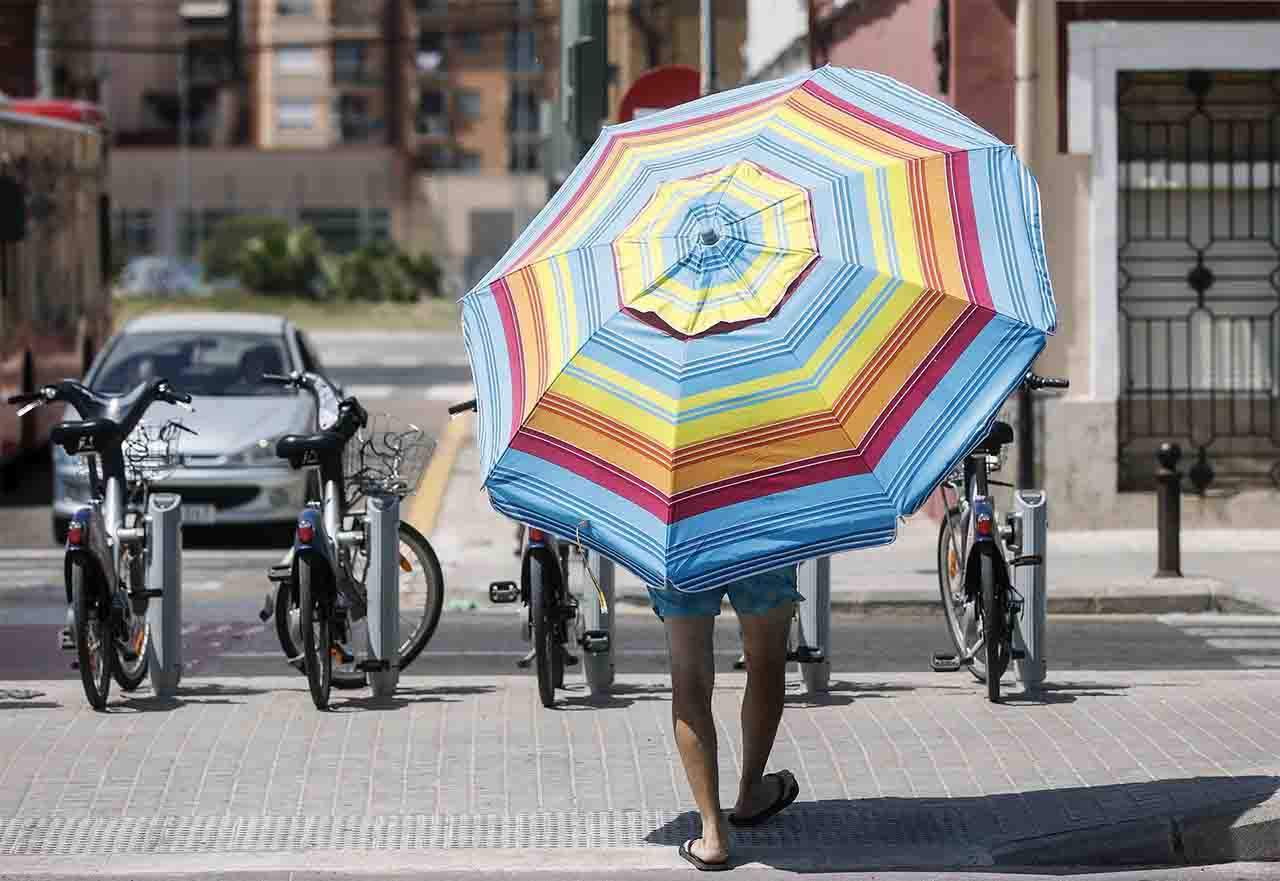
421, 590
314, 621
287, 630
130, 674
91, 636
961, 609
542, 608
992, 627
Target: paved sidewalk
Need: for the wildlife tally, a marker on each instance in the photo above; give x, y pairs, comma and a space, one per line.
900, 770
1102, 571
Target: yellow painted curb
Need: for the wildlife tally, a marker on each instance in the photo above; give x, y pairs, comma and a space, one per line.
424, 507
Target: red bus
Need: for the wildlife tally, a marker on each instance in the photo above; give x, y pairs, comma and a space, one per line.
55, 301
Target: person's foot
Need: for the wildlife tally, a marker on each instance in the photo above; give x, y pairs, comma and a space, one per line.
711, 852
769, 795
766, 791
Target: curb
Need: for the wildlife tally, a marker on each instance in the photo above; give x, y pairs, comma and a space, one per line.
1205, 595
424, 508
1237, 832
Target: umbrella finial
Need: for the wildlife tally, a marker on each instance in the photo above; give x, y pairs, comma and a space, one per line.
709, 237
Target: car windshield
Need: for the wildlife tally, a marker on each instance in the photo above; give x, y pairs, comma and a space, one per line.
213, 364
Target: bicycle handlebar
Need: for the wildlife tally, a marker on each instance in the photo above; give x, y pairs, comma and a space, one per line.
463, 407
1035, 382
18, 400
170, 396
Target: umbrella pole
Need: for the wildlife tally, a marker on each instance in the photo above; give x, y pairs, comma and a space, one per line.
708, 27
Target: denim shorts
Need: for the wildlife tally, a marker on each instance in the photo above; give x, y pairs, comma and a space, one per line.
753, 595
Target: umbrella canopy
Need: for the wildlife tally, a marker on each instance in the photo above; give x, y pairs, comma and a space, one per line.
757, 328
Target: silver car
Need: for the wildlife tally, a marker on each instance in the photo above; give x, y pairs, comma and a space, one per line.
229, 473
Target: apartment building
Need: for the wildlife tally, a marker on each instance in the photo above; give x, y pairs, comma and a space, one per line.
288, 106
480, 71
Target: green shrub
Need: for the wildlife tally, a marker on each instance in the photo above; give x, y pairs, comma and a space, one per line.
221, 253
285, 263
381, 272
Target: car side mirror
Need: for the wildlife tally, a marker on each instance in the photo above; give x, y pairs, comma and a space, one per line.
13, 209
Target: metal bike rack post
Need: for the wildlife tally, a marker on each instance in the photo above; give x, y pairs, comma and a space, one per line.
1031, 506
382, 517
600, 679
813, 579
164, 573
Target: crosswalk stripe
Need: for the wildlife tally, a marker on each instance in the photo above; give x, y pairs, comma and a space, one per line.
370, 392
1244, 645
1253, 640
1214, 619
1208, 632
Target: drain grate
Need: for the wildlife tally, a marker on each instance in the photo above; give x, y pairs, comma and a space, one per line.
814, 828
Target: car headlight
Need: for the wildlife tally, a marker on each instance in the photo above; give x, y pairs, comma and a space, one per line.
258, 454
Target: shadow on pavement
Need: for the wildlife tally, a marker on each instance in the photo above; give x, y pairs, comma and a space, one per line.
927, 832
165, 704
620, 697
404, 697
24, 699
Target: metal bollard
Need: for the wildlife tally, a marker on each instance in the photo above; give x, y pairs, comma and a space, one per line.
599, 668
164, 572
382, 517
1031, 508
1169, 512
813, 579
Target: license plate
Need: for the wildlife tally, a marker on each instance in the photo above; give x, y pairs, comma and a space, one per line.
199, 513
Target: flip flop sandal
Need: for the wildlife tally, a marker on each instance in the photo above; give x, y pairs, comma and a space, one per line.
790, 791
686, 851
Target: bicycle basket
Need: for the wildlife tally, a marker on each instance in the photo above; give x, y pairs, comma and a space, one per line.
151, 452
387, 456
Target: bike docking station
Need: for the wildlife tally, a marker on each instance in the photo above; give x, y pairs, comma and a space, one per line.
382, 581
813, 580
1029, 524
163, 524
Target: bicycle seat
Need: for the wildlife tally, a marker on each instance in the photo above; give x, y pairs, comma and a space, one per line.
309, 449
88, 436
1001, 434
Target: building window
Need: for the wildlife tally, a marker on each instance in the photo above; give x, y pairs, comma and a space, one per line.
297, 61
468, 103
355, 124
350, 62
470, 42
295, 7
522, 51
431, 7
295, 114
431, 118
523, 109
344, 229
524, 156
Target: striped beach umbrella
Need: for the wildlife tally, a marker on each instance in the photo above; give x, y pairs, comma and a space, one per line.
759, 327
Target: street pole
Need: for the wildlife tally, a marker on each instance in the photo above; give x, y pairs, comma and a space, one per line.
1025, 83
184, 154
708, 27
